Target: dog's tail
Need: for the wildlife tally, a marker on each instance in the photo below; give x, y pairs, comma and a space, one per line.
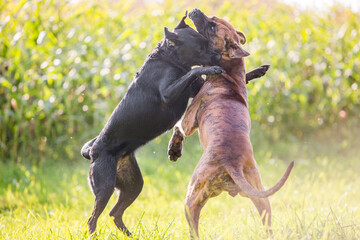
85, 150
244, 185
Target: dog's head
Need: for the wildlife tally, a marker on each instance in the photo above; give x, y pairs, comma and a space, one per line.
221, 34
191, 47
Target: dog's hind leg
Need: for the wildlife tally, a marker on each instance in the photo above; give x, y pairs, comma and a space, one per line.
264, 209
197, 195
195, 201
102, 177
130, 182
262, 204
192, 216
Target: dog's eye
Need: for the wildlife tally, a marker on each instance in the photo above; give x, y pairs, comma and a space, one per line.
212, 28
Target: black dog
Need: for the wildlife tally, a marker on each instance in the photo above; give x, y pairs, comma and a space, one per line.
154, 102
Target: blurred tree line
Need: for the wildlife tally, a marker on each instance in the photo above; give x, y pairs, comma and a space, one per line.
64, 66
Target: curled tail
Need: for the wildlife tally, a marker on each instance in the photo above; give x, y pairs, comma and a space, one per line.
85, 150
244, 185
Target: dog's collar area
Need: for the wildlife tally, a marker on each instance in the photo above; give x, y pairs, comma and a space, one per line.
232, 80
159, 53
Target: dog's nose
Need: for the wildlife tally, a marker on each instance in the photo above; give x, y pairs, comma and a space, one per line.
218, 56
194, 12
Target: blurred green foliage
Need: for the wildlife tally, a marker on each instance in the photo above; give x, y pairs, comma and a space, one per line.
64, 65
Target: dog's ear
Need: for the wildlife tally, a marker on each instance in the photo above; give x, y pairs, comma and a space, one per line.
242, 37
182, 23
171, 37
238, 53
234, 50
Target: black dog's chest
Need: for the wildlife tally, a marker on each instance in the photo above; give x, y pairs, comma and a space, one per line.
142, 114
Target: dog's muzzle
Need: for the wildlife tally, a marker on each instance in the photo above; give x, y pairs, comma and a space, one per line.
194, 13
216, 58
199, 19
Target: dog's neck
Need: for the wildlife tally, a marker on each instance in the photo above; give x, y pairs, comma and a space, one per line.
163, 52
235, 68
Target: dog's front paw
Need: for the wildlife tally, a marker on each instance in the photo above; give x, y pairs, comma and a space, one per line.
175, 145
263, 69
214, 70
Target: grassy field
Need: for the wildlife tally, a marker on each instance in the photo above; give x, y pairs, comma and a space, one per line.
64, 65
319, 201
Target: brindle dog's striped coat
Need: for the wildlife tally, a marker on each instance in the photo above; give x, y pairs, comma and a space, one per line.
220, 111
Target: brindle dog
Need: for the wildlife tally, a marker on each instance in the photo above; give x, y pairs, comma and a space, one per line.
220, 111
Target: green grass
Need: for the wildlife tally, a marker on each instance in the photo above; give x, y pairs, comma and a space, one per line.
319, 201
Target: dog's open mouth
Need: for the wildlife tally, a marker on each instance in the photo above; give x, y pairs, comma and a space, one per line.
199, 19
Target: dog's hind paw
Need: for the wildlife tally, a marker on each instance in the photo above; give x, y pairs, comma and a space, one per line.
175, 145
